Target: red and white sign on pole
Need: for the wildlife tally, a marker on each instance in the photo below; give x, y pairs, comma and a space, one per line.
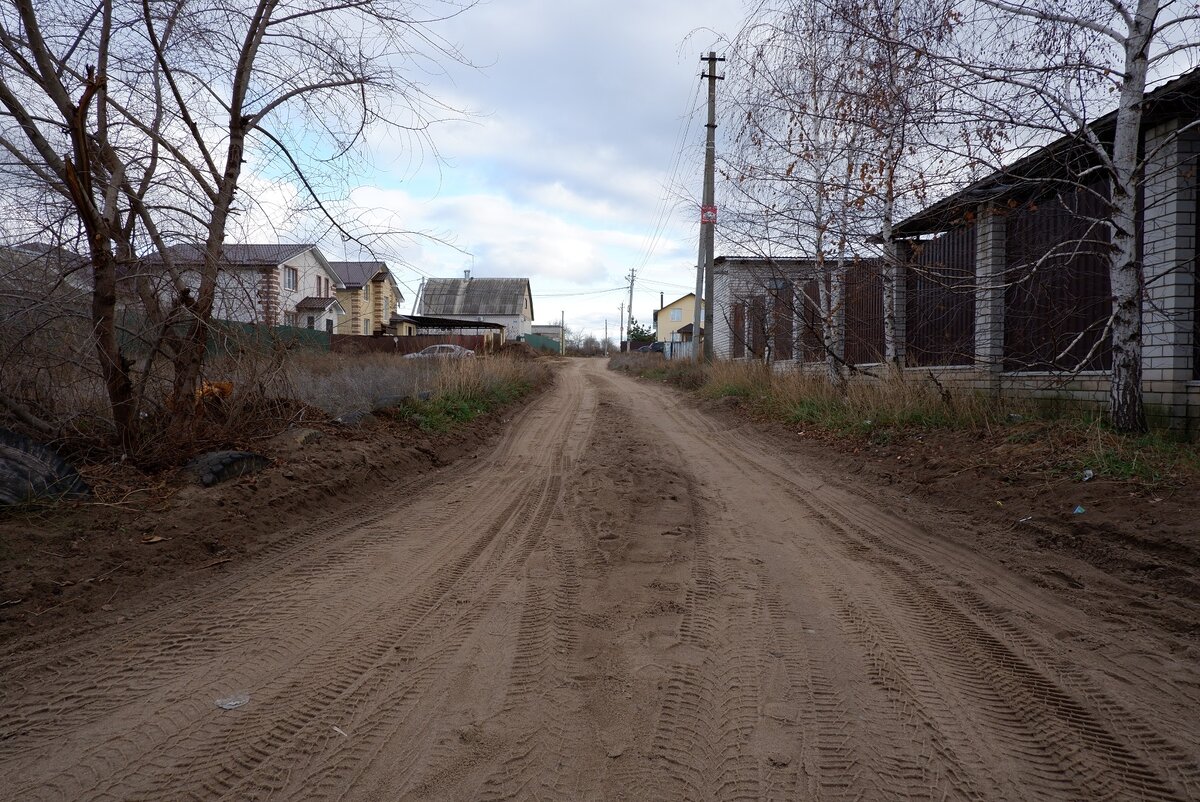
708, 214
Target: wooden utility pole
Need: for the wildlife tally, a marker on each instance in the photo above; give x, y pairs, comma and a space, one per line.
621, 328
708, 220
629, 314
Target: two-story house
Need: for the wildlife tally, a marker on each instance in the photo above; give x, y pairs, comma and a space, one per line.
370, 295
673, 323
272, 284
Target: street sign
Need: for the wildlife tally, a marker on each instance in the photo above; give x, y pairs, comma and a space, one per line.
708, 214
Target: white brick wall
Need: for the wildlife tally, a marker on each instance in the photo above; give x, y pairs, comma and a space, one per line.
1169, 254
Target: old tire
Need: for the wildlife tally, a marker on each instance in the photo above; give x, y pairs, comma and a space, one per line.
221, 466
33, 472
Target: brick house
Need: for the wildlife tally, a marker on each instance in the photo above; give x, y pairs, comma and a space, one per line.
370, 295
272, 284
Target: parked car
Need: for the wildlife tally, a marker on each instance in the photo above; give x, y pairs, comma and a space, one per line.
445, 351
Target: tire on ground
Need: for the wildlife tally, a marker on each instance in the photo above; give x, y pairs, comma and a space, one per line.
221, 466
33, 472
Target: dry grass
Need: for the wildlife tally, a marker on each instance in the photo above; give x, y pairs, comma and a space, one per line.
877, 411
272, 389
337, 383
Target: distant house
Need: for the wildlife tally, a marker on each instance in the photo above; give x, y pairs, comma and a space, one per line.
671, 321
369, 294
272, 284
553, 331
508, 301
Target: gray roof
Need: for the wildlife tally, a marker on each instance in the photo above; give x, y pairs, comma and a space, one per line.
243, 254
356, 274
475, 296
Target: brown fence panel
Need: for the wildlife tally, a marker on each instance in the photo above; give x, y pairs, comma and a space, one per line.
737, 330
758, 326
864, 313
812, 344
1057, 300
782, 321
940, 300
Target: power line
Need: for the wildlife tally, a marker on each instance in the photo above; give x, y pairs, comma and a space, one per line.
662, 212
573, 294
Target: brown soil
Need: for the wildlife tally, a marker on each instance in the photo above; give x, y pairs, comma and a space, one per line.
626, 597
73, 567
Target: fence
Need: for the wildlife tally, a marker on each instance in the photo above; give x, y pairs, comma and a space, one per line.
1057, 299
684, 351
940, 299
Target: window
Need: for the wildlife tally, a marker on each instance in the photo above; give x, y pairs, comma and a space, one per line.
367, 291
289, 318
291, 278
328, 326
676, 315
320, 286
366, 327
312, 322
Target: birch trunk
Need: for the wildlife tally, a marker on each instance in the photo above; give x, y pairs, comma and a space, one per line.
1127, 410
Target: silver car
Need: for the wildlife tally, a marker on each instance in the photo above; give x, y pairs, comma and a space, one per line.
446, 351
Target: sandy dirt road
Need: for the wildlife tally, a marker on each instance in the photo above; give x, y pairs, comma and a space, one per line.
620, 600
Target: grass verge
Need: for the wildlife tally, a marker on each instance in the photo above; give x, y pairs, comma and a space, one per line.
1057, 438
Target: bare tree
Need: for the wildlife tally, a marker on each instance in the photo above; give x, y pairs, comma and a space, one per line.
1029, 71
142, 120
898, 98
796, 169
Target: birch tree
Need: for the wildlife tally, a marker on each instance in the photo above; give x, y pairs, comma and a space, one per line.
1034, 70
899, 100
142, 120
793, 173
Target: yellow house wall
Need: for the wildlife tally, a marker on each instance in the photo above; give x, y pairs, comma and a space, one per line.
667, 327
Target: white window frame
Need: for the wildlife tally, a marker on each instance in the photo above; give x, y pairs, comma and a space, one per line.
676, 315
291, 277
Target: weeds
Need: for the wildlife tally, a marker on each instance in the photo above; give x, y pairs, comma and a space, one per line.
888, 411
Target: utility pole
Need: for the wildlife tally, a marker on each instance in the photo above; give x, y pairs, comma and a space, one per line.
629, 316
606, 336
417, 299
562, 333
621, 328
708, 218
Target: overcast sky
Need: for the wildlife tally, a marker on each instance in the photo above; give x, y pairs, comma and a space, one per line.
560, 177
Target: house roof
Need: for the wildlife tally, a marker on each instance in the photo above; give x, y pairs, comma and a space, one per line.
317, 303
355, 274
243, 254
1063, 159
677, 300
770, 267
434, 322
688, 329
475, 296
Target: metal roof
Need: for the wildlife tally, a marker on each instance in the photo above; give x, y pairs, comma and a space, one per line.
245, 254
1064, 159
356, 274
429, 322
475, 296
